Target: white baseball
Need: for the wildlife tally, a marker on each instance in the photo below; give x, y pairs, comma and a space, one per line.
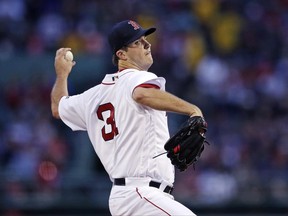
69, 56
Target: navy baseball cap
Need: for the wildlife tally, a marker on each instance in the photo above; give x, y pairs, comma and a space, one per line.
125, 32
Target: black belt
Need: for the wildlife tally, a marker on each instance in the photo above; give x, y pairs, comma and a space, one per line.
121, 182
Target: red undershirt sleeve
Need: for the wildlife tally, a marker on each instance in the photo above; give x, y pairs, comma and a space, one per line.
148, 85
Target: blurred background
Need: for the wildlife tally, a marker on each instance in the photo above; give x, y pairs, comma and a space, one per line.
227, 56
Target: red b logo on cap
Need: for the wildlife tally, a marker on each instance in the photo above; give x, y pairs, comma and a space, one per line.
134, 24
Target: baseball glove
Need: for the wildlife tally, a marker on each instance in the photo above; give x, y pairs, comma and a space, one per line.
186, 146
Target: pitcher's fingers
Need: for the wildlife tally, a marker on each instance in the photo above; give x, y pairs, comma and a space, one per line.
62, 51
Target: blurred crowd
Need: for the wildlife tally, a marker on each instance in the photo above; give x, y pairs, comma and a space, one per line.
227, 56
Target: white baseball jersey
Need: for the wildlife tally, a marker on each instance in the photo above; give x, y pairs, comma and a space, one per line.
125, 135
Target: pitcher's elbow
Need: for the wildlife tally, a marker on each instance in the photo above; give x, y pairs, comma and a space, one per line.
55, 112
56, 115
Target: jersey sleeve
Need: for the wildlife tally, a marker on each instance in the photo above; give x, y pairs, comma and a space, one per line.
146, 78
72, 112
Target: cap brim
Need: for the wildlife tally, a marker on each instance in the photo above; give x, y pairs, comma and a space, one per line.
149, 31
144, 32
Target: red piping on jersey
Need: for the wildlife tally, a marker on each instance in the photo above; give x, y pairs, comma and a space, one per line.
156, 206
137, 191
145, 85
121, 70
113, 83
148, 85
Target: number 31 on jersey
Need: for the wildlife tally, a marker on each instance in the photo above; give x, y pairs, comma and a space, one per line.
105, 112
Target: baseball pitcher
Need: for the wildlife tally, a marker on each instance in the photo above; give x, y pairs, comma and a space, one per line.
125, 118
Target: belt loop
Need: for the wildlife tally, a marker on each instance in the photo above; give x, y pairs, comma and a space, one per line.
154, 184
119, 181
168, 189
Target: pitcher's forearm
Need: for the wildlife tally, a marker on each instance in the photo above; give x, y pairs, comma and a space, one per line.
63, 68
59, 90
164, 101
